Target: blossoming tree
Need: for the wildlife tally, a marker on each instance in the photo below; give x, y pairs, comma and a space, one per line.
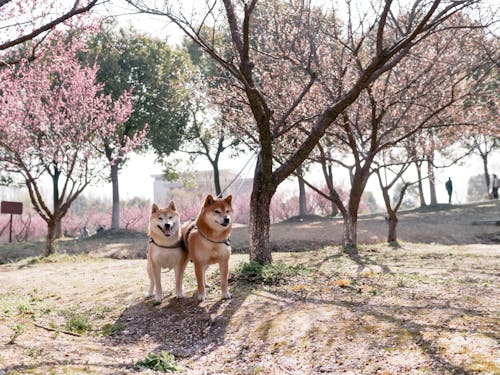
53, 117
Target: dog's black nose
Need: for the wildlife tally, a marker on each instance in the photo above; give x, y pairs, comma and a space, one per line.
227, 220
167, 225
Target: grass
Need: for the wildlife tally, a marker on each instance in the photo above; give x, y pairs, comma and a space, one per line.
109, 329
276, 273
78, 323
163, 362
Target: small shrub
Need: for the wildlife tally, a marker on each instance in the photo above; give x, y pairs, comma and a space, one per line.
18, 331
402, 283
269, 274
78, 324
164, 362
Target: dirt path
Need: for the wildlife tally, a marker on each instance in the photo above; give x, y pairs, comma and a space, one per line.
420, 309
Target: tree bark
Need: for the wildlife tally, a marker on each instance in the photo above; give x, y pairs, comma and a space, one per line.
392, 235
486, 172
49, 246
334, 209
55, 198
302, 193
215, 167
260, 222
420, 184
432, 182
349, 236
115, 216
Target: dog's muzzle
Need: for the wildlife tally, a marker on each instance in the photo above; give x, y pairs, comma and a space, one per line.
167, 228
226, 221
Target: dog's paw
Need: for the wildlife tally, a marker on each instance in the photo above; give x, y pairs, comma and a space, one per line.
148, 295
158, 298
226, 295
179, 295
201, 297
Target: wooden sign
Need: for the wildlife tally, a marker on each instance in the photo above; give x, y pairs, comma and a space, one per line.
12, 208
15, 208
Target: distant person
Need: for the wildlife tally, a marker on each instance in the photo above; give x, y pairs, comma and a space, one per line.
494, 185
449, 188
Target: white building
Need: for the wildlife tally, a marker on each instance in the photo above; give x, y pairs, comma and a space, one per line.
200, 181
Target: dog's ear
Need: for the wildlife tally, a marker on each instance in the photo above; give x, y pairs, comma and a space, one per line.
171, 206
208, 200
155, 208
229, 199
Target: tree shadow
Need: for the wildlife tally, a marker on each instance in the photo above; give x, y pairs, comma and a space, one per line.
416, 330
184, 327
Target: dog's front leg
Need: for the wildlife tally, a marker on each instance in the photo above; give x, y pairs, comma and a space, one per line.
179, 274
224, 275
156, 270
199, 270
151, 281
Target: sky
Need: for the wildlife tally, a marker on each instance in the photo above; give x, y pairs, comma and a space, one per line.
136, 177
136, 180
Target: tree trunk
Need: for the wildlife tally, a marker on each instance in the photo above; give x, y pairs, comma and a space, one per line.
49, 246
115, 216
432, 183
260, 222
486, 172
349, 236
215, 167
334, 209
420, 185
302, 193
359, 179
55, 198
58, 232
392, 235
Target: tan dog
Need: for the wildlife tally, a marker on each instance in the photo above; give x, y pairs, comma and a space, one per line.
207, 241
165, 249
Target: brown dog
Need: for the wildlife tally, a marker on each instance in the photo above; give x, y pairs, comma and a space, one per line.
165, 249
207, 241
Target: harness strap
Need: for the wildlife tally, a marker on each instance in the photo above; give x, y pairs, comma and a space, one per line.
178, 244
226, 241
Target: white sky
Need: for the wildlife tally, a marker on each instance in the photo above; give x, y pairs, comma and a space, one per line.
135, 178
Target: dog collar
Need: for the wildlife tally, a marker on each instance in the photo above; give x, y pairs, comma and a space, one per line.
179, 243
226, 241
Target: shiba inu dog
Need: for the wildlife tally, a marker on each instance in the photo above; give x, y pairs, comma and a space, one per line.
207, 241
165, 249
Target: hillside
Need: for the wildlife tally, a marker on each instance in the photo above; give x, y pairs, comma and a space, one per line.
445, 224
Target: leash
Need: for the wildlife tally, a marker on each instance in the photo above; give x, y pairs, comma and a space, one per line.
238, 174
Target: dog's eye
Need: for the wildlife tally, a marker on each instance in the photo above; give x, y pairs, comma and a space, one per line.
170, 217
217, 211
160, 218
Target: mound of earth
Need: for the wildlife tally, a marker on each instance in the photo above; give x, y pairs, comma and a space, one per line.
306, 218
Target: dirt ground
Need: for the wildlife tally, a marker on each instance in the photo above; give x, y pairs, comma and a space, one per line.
430, 306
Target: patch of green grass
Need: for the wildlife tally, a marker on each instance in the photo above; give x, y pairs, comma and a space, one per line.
270, 274
402, 283
109, 329
59, 258
78, 323
163, 362
101, 312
